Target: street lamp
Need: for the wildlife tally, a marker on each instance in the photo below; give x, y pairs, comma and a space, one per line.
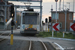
73, 5
63, 4
69, 4
56, 9
65, 7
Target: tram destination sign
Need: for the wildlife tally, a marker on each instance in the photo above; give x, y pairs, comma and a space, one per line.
23, 0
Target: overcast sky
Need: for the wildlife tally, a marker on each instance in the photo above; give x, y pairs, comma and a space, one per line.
47, 6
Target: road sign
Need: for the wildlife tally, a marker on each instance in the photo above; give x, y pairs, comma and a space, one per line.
72, 26
55, 26
56, 0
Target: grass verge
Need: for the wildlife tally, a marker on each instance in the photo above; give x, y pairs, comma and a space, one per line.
58, 34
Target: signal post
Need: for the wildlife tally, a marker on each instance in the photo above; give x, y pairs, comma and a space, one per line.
12, 23
46, 23
49, 23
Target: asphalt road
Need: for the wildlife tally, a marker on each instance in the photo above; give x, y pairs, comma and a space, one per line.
17, 45
64, 43
24, 45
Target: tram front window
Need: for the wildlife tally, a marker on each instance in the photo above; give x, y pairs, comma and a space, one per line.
29, 19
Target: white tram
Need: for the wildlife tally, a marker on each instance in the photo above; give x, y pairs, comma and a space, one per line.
30, 22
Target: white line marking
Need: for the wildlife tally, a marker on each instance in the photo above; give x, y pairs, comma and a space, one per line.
59, 46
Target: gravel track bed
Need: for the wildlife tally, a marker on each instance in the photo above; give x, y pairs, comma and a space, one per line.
23, 45
48, 45
36, 45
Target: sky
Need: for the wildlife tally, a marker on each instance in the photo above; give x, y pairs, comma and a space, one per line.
47, 7
46, 11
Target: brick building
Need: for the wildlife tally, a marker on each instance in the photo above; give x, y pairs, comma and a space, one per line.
61, 19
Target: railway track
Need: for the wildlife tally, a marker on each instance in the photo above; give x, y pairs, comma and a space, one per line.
1, 39
3, 34
37, 45
28, 45
25, 45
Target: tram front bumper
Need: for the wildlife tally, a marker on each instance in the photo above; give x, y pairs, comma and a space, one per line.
30, 31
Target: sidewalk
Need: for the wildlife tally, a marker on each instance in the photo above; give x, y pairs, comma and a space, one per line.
61, 38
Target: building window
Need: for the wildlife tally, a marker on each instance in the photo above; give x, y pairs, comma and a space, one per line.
1, 20
60, 25
0, 13
54, 15
70, 16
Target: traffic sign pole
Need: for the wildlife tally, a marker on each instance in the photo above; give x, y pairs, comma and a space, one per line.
65, 19
63, 34
56, 12
52, 33
56, 9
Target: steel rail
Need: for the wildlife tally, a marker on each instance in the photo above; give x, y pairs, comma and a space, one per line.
3, 38
30, 45
44, 45
4, 33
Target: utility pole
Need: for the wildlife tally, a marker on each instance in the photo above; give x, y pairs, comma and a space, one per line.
65, 19
40, 14
56, 14
60, 5
5, 15
63, 4
69, 4
73, 5
56, 9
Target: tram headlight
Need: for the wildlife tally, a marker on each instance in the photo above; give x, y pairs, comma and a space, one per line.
25, 28
34, 28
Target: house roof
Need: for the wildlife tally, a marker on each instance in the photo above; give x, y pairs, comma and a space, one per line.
62, 11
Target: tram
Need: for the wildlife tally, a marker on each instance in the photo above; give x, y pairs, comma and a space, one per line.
30, 22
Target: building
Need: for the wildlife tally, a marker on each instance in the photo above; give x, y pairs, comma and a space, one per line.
73, 21
61, 19
2, 12
4, 15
